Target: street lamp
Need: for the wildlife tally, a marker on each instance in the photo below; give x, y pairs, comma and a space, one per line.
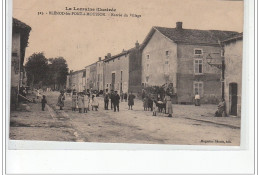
220, 66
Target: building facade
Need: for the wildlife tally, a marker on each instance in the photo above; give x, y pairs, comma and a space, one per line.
233, 48
177, 56
91, 76
77, 80
20, 36
116, 72
100, 75
122, 72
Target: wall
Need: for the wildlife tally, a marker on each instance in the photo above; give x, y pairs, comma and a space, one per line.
93, 77
233, 71
99, 76
78, 81
158, 72
16, 48
117, 65
135, 70
186, 76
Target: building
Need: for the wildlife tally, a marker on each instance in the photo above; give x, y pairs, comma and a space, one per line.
100, 75
91, 76
20, 36
177, 56
77, 80
233, 54
122, 72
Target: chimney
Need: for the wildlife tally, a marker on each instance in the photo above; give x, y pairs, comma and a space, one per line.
137, 45
178, 25
123, 51
109, 55
105, 57
99, 58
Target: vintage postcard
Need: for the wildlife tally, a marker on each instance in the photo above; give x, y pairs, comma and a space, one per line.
127, 71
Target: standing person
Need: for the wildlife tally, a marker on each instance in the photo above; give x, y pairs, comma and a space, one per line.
44, 101
74, 101
37, 93
106, 100
131, 98
197, 99
125, 97
221, 112
86, 103
112, 99
145, 103
94, 103
116, 101
168, 101
80, 102
61, 100
154, 108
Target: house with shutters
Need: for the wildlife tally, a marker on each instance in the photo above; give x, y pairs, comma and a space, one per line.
177, 56
20, 37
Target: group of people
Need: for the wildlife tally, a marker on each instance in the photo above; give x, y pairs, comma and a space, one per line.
114, 99
157, 104
82, 101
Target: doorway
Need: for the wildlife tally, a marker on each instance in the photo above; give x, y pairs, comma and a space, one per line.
233, 98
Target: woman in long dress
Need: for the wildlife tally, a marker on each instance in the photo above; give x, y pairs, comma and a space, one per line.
168, 105
86, 103
74, 101
80, 102
61, 100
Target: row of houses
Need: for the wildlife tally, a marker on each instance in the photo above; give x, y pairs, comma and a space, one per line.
175, 56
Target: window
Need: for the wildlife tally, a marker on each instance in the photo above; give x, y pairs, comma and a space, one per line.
198, 87
147, 57
121, 75
198, 66
84, 74
167, 53
197, 51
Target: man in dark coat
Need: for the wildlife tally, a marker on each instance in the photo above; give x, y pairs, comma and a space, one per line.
116, 101
106, 100
131, 98
112, 99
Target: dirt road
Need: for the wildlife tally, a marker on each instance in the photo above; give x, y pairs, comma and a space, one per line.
189, 125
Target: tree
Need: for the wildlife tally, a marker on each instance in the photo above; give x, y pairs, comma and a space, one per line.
58, 71
36, 68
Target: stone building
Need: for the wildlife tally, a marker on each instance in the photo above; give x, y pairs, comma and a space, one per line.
100, 75
91, 76
122, 72
20, 36
177, 56
77, 80
233, 48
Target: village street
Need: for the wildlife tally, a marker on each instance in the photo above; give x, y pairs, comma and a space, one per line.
189, 125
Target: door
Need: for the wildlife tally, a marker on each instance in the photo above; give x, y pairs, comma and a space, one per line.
233, 98
113, 81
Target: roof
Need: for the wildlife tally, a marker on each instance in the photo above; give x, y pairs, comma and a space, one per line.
78, 71
20, 25
234, 38
24, 30
91, 64
191, 36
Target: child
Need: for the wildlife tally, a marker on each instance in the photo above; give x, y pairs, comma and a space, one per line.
44, 101
154, 108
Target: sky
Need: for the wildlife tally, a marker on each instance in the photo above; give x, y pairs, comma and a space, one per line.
81, 40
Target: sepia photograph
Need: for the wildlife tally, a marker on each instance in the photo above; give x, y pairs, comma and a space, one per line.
121, 71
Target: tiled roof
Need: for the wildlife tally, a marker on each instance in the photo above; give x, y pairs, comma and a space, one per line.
234, 38
195, 36
20, 24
